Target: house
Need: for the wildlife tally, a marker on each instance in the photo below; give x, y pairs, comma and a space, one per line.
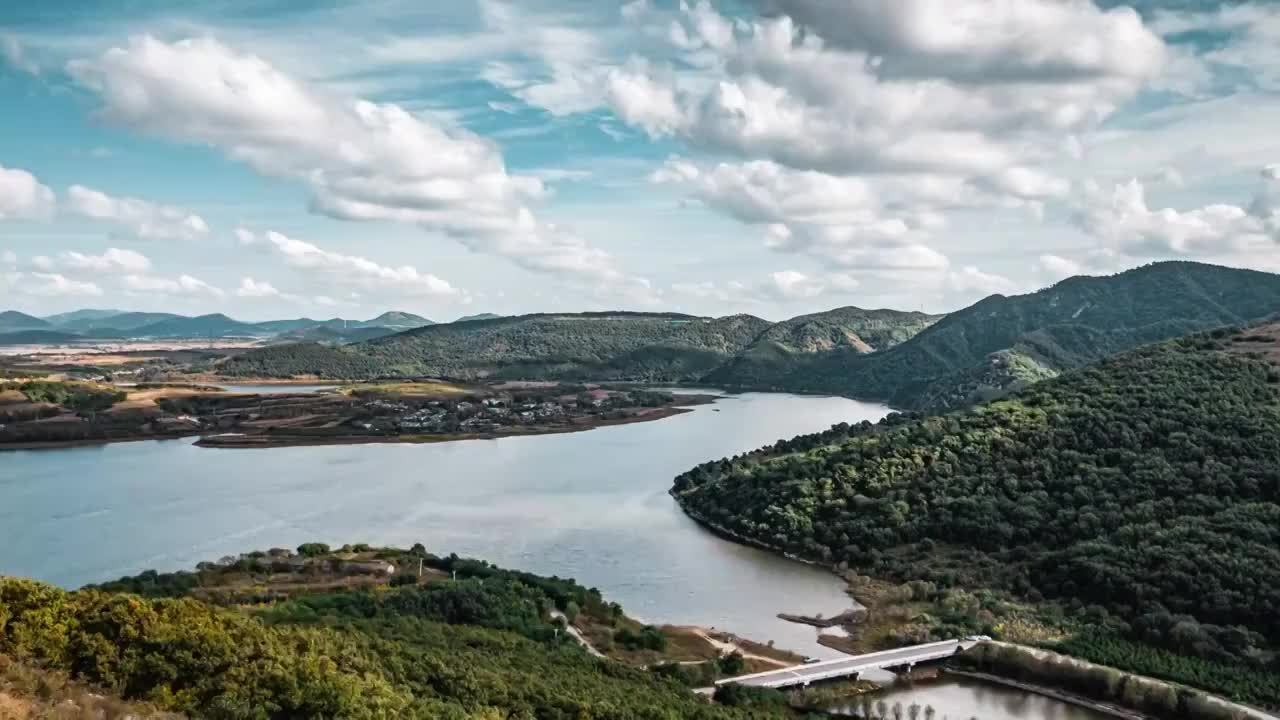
367, 567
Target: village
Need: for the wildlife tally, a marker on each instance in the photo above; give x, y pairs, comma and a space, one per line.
542, 407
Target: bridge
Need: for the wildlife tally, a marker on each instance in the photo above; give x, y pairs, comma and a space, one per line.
854, 666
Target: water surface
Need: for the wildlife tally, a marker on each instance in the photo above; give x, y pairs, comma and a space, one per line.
590, 505
960, 698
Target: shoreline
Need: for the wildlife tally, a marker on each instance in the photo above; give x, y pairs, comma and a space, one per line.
1053, 694
266, 441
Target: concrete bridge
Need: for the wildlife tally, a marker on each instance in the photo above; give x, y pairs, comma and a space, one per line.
851, 667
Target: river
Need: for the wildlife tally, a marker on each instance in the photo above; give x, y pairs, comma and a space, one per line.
590, 505
958, 698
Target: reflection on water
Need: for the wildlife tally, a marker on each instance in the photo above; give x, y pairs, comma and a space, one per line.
591, 505
960, 698
276, 389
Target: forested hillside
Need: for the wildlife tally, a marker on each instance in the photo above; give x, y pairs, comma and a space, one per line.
1147, 484
804, 339
1072, 323
589, 346
481, 646
910, 360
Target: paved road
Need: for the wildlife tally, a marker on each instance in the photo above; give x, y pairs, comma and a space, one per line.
804, 674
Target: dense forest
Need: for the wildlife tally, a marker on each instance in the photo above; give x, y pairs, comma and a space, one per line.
479, 646
588, 346
735, 350
805, 338
1147, 485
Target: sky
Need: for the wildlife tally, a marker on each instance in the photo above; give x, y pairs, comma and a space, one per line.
320, 158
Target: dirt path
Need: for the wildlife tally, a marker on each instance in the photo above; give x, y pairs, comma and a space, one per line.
573, 632
729, 648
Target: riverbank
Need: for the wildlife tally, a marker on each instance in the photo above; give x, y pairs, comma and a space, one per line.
279, 440
48, 415
1059, 695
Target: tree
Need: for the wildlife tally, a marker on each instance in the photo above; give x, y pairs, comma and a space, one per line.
313, 549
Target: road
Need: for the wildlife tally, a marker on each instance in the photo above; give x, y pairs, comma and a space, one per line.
573, 632
850, 667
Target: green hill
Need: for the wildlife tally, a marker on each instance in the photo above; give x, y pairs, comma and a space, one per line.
1065, 326
1147, 485
12, 321
478, 316
785, 345
466, 642
587, 346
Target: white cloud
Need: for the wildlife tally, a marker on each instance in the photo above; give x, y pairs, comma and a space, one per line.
183, 285
1015, 85
361, 160
981, 42
143, 219
22, 196
1122, 218
56, 285
250, 288
971, 280
14, 54
114, 260
1271, 172
353, 270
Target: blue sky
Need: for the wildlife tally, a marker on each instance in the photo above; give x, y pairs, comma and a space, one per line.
775, 157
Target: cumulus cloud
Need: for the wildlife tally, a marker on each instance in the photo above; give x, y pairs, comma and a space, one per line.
970, 280
250, 288
980, 42
956, 87
143, 219
22, 196
183, 285
360, 160
45, 284
351, 270
1123, 219
114, 260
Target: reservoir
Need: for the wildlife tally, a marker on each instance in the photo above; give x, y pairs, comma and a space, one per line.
591, 505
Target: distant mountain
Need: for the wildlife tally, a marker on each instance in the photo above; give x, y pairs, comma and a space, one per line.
120, 322
81, 315
215, 325
807, 337
272, 327
38, 337
396, 320
335, 336
1002, 343
652, 347
480, 316
11, 320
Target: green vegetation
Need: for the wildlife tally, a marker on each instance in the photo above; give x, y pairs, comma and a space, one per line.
30, 693
1227, 677
909, 360
1103, 683
1147, 485
292, 360
83, 398
587, 346
483, 645
1075, 322
794, 342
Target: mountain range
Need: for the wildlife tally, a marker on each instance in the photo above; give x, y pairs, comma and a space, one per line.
906, 359
89, 324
